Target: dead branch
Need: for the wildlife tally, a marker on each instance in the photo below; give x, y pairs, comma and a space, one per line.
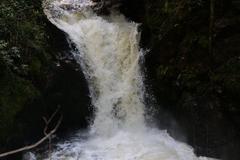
47, 136
47, 122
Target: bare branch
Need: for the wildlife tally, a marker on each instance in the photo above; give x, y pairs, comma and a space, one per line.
48, 121
53, 115
47, 135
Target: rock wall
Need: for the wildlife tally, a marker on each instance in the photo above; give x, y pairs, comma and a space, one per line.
195, 82
193, 69
37, 74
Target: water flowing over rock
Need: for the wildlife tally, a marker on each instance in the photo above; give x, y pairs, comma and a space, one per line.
107, 48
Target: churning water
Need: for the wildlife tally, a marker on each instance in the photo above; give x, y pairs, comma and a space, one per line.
108, 51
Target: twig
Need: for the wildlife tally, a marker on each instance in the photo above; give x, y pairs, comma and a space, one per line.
47, 135
47, 122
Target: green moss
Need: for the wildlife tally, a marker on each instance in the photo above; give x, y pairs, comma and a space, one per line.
35, 66
169, 7
162, 71
203, 41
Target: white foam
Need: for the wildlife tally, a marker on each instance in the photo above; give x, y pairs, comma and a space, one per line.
108, 51
125, 145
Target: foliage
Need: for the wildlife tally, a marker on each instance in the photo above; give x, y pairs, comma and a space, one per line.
34, 76
190, 82
24, 55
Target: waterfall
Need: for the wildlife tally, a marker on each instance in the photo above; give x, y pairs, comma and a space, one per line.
107, 48
109, 55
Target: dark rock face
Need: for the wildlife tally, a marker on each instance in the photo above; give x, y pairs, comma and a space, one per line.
198, 91
37, 74
198, 87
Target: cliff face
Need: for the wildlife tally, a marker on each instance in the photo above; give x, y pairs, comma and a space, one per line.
37, 74
193, 68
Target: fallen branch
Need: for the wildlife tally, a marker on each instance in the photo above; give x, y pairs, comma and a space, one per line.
47, 122
29, 147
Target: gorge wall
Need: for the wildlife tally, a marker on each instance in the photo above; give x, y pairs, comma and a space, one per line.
195, 87
197, 84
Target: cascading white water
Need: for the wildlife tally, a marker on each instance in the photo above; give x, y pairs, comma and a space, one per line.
109, 56
108, 51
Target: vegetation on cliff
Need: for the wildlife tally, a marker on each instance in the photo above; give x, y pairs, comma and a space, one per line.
34, 76
193, 68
